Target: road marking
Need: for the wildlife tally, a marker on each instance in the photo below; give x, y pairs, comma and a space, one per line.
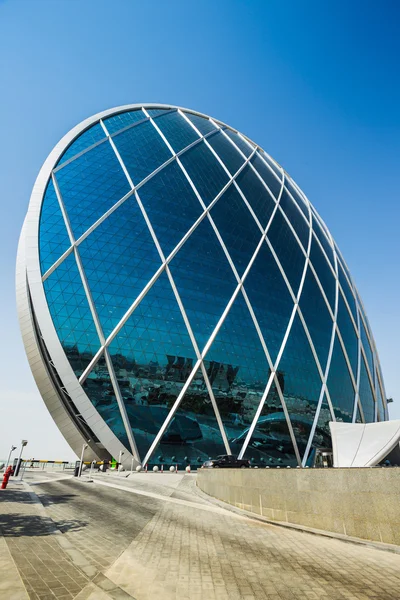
49, 480
213, 509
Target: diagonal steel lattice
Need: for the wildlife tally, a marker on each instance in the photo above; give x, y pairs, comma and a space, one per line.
322, 239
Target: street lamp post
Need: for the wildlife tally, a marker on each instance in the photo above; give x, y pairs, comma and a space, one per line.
23, 444
83, 452
9, 456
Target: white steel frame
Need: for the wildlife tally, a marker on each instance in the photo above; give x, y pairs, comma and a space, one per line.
30, 280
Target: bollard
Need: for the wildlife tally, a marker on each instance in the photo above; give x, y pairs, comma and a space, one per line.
138, 468
188, 469
9, 471
155, 469
162, 468
172, 468
145, 470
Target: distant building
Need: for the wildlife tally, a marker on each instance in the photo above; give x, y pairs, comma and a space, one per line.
179, 297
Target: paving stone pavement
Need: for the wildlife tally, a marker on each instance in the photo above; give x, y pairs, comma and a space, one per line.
185, 554
170, 545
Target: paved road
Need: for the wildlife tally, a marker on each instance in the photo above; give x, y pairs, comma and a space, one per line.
157, 539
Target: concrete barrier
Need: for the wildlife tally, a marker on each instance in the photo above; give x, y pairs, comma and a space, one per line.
363, 503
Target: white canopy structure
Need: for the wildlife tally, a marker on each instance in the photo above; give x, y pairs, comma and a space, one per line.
364, 444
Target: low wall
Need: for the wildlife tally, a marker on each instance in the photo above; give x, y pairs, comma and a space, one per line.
363, 503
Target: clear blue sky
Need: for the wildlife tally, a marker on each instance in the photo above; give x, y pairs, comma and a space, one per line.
315, 83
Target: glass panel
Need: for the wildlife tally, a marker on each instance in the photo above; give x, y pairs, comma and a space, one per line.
322, 436
84, 140
324, 273
347, 292
301, 203
237, 369
343, 262
268, 176
227, 152
122, 120
287, 249
154, 112
119, 258
256, 195
177, 130
271, 163
202, 124
205, 171
367, 347
316, 315
340, 386
270, 299
71, 315
237, 227
193, 436
53, 236
270, 444
90, 185
381, 404
142, 150
358, 415
299, 224
171, 205
366, 396
152, 357
204, 279
100, 391
322, 238
348, 334
240, 143
300, 383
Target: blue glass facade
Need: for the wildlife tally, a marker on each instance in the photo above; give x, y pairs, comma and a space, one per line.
230, 320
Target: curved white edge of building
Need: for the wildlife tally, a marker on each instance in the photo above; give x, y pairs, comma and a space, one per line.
363, 444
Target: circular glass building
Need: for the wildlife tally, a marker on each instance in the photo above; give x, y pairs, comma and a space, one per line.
179, 297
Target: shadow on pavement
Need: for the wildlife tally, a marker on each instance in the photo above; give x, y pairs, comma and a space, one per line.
18, 525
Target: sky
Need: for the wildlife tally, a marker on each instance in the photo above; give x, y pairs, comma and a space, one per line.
316, 84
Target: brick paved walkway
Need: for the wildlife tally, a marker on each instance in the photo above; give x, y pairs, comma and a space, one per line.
167, 543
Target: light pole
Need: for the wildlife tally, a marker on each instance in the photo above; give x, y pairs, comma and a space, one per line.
23, 444
83, 452
9, 456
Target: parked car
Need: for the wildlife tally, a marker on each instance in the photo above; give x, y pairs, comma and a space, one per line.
226, 461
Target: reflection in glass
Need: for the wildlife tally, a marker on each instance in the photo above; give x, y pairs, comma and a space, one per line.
346, 328
99, 389
237, 227
119, 258
90, 185
193, 435
142, 149
237, 369
322, 436
271, 443
317, 317
71, 315
152, 357
204, 279
256, 195
270, 299
340, 386
366, 396
301, 383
